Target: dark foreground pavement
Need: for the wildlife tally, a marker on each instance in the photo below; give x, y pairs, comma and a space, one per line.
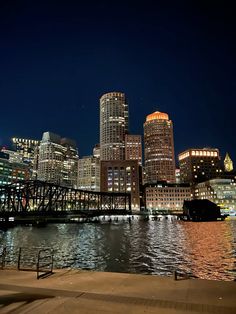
76, 291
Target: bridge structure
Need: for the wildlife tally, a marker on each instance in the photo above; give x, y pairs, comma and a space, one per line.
25, 199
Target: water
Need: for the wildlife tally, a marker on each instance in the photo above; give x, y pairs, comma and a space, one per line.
202, 249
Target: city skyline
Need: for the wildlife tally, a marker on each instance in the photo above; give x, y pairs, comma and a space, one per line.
58, 60
9, 145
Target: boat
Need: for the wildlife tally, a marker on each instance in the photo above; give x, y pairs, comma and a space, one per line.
201, 210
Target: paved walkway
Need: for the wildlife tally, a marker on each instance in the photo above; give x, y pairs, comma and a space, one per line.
71, 291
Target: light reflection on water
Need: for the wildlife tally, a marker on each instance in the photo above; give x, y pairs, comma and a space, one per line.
202, 249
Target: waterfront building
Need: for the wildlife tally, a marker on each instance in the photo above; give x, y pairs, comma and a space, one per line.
26, 148
228, 163
57, 160
89, 173
133, 147
199, 164
159, 148
122, 176
11, 171
220, 191
113, 125
167, 197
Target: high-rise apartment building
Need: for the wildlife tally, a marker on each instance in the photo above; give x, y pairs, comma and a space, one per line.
57, 160
198, 165
89, 173
133, 147
159, 148
113, 125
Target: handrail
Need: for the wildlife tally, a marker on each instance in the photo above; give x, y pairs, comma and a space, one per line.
44, 263
37, 259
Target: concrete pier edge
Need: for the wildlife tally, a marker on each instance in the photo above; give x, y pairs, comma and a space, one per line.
94, 292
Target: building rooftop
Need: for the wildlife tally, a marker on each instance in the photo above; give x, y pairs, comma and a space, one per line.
157, 115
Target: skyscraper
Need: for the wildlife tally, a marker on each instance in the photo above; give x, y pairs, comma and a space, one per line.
51, 157
113, 125
58, 160
159, 148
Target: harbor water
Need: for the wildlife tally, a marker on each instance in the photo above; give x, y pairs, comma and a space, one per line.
204, 250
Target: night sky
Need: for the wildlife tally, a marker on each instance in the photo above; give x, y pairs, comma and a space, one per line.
58, 57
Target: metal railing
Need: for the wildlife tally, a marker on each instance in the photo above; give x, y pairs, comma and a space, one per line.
44, 263
27, 258
36, 259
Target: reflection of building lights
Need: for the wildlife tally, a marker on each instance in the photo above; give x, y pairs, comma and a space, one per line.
210, 248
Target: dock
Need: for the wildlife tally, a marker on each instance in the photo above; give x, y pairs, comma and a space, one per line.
81, 291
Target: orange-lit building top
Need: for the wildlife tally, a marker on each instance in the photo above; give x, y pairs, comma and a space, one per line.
157, 115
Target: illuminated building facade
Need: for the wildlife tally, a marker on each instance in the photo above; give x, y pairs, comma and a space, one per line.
220, 191
70, 163
133, 147
11, 172
159, 148
167, 197
177, 175
89, 173
113, 125
57, 160
198, 165
13, 155
228, 163
34, 171
121, 176
51, 157
26, 148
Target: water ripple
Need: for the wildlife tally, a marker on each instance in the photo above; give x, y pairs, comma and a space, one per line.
204, 250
